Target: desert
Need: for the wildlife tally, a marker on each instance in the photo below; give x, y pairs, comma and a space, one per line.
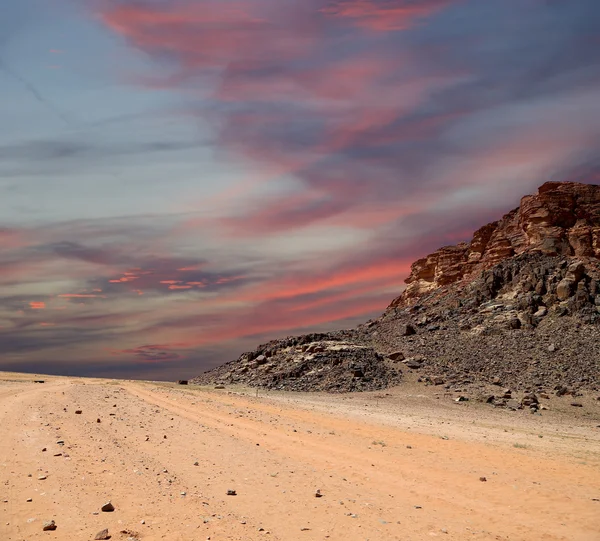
407, 463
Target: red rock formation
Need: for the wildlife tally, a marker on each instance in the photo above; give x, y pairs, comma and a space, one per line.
562, 219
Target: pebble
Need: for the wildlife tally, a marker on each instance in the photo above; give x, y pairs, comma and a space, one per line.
108, 507
483, 479
78, 412
49, 526
102, 534
318, 494
29, 500
42, 478
231, 493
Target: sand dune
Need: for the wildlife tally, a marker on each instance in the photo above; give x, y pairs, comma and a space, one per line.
400, 465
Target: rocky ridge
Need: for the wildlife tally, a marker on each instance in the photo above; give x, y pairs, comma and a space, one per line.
517, 306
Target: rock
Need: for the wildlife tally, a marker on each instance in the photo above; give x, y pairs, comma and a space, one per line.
513, 404
541, 312
42, 478
496, 381
182, 382
414, 364
231, 493
514, 323
461, 399
409, 330
318, 494
78, 412
221, 387
28, 500
102, 534
261, 359
562, 390
49, 526
98, 420
564, 289
551, 348
396, 356
577, 404
108, 507
438, 380
483, 479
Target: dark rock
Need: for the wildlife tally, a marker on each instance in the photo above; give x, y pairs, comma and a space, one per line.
182, 382
231, 493
108, 507
78, 412
577, 404
514, 323
49, 526
396, 356
409, 330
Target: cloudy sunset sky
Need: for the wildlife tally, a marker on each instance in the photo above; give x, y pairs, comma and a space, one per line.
181, 180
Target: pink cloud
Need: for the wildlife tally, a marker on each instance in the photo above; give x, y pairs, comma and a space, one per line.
386, 16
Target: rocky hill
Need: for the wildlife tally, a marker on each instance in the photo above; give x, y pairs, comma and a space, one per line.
517, 306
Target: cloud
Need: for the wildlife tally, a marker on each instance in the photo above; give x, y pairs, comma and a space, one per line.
386, 15
154, 353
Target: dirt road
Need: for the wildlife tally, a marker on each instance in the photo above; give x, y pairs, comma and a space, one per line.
166, 456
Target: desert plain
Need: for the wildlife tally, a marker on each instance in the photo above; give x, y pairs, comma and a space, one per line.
407, 463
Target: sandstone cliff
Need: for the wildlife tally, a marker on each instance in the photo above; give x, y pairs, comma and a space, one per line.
562, 219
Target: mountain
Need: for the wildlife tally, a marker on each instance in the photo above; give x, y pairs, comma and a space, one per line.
517, 306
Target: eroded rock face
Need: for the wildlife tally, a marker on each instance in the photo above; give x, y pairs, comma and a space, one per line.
562, 219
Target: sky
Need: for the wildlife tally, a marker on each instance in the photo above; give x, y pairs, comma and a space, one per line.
181, 180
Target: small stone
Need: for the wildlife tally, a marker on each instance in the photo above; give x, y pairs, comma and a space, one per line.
318, 494
29, 500
49, 526
483, 479
108, 507
102, 534
142, 521
44, 450
396, 356
196, 464
552, 348
42, 478
231, 493
577, 404
98, 421
78, 412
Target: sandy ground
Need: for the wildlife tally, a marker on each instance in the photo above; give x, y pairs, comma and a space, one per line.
404, 465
